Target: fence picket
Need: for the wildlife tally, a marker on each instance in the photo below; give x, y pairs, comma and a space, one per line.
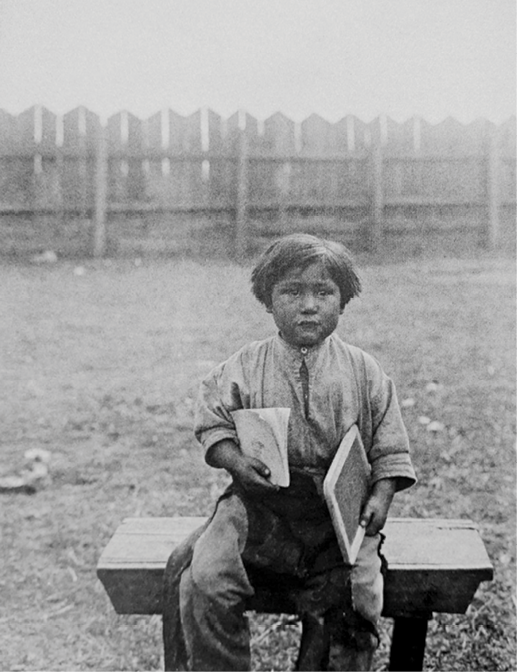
101, 193
507, 167
399, 138
344, 136
317, 137
8, 133
507, 137
153, 133
444, 139
80, 130
48, 130
492, 184
25, 123
279, 135
375, 233
175, 126
15, 172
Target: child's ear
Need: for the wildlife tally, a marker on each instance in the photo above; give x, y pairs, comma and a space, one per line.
269, 309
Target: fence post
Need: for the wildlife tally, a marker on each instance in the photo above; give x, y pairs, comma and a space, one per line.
101, 193
241, 219
377, 191
284, 184
492, 195
60, 199
83, 162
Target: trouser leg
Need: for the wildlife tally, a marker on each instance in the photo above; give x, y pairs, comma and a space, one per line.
367, 580
213, 591
175, 655
354, 641
354, 636
314, 644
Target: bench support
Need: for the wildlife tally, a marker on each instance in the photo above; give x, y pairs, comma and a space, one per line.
408, 643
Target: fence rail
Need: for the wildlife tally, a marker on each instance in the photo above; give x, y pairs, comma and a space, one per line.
73, 165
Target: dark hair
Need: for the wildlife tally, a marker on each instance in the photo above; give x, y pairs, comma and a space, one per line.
299, 250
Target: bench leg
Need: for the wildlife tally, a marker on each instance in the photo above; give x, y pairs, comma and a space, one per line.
408, 643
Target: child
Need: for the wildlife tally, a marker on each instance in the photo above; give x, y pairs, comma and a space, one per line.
283, 538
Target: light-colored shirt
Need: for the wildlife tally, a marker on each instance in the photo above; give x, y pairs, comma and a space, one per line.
346, 386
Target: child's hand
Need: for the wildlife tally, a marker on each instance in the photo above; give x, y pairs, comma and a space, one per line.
252, 474
375, 512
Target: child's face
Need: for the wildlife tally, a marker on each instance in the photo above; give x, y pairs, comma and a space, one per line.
305, 305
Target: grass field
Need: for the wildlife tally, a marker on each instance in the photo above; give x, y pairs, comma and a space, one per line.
101, 366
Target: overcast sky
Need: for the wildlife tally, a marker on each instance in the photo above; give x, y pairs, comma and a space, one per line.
432, 58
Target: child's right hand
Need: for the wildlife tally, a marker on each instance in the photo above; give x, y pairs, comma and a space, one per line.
252, 474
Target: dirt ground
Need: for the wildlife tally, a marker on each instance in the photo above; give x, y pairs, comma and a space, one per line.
100, 363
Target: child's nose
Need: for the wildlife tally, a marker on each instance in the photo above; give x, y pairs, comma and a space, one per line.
309, 302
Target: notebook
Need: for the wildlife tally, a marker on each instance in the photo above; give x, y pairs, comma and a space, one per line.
262, 433
346, 488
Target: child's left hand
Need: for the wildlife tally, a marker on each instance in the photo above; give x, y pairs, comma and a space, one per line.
375, 512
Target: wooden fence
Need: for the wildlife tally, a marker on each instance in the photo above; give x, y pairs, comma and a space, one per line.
251, 175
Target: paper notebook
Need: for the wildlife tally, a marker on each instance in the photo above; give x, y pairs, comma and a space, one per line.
262, 433
346, 488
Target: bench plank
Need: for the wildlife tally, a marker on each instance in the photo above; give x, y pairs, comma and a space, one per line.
434, 565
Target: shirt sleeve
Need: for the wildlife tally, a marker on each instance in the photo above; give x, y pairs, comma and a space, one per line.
220, 393
389, 454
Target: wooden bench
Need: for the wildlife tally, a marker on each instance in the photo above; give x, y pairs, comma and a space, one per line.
433, 566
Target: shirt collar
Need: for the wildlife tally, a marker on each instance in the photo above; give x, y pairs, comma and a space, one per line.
301, 353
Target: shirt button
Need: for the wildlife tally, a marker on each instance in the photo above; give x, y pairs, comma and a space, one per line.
304, 351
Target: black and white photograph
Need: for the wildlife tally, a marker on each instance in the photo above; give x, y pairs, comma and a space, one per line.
258, 335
